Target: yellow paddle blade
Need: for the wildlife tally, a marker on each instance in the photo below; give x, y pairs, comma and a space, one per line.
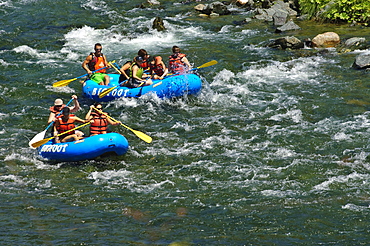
63, 82
113, 66
41, 142
210, 63
106, 91
140, 135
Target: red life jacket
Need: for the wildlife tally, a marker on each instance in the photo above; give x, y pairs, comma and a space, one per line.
53, 110
157, 69
175, 64
66, 125
100, 123
145, 65
97, 63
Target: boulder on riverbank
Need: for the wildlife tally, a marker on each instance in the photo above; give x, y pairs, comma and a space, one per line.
354, 43
289, 26
362, 62
279, 13
284, 43
326, 40
245, 4
213, 9
150, 4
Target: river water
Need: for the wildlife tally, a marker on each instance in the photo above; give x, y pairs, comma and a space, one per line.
273, 151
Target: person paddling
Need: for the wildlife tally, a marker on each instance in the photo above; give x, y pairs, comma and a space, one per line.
137, 75
125, 71
58, 107
99, 120
95, 61
145, 57
158, 69
65, 122
178, 63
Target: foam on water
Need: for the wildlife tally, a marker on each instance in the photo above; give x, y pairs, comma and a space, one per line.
294, 115
114, 177
122, 41
353, 179
118, 179
4, 63
356, 208
12, 182
64, 89
6, 3
48, 57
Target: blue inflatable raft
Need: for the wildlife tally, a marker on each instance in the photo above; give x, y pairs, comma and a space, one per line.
171, 86
85, 149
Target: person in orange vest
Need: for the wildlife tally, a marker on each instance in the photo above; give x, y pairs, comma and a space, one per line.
94, 61
99, 121
145, 58
178, 63
158, 69
58, 107
65, 122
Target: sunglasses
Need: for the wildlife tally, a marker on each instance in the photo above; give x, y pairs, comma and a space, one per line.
98, 49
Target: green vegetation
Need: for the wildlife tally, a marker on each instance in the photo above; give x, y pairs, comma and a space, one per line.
337, 10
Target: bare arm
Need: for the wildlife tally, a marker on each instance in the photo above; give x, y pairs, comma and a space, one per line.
76, 106
55, 128
114, 123
85, 66
88, 115
186, 61
125, 67
51, 117
79, 120
165, 70
106, 64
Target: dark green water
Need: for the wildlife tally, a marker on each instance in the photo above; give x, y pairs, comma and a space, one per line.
274, 151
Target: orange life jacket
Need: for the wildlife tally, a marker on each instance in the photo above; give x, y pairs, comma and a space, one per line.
176, 65
100, 123
53, 109
66, 125
157, 69
97, 63
145, 65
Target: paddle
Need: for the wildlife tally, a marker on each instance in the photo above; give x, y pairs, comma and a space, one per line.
44, 141
207, 64
106, 91
139, 134
41, 135
67, 81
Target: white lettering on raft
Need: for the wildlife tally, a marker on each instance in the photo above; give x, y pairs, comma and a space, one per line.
54, 148
96, 91
115, 92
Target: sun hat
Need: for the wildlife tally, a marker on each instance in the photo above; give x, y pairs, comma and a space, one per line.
58, 102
